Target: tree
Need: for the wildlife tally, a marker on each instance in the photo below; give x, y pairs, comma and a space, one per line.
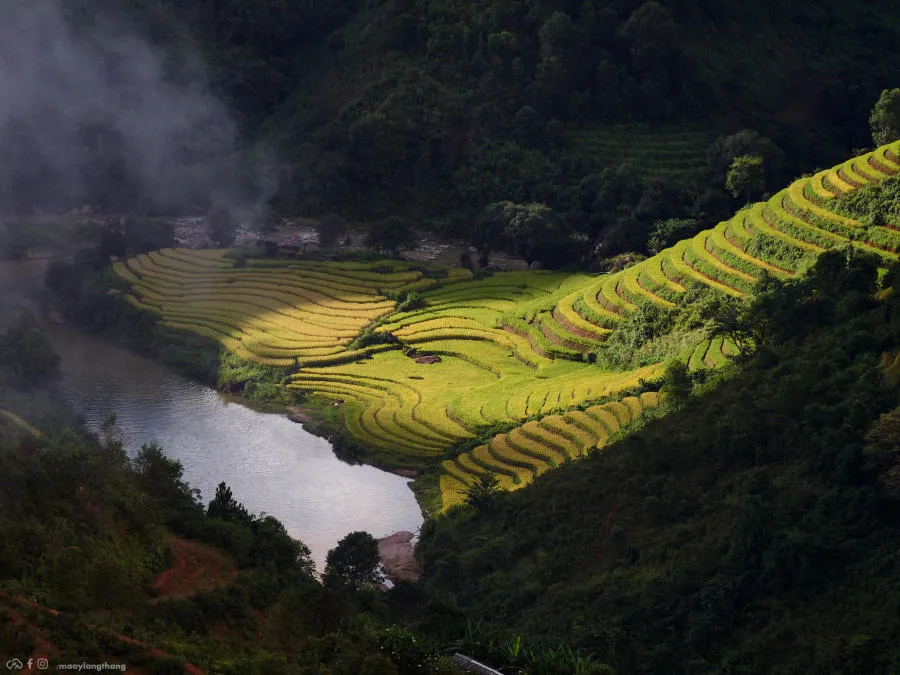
220, 226
731, 323
225, 506
746, 322
882, 453
532, 230
667, 232
163, 478
26, 354
355, 560
487, 232
885, 118
652, 34
330, 229
677, 384
746, 174
112, 438
391, 236
480, 493
528, 124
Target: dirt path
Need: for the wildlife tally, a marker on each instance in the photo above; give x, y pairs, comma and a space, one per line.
195, 568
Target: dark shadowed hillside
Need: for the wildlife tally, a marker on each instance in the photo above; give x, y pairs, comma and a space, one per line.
754, 530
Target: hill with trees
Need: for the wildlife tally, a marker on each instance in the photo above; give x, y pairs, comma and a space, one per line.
611, 115
433, 369
753, 529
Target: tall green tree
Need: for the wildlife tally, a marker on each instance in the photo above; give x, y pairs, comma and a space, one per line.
225, 506
885, 118
746, 175
354, 561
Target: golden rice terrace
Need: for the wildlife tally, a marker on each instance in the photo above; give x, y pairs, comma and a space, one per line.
510, 345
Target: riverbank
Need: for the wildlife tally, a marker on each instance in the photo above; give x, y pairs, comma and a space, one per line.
317, 421
398, 556
271, 463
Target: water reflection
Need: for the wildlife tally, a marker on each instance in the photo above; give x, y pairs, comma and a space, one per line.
270, 463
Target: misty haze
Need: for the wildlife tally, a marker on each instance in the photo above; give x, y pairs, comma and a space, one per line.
92, 115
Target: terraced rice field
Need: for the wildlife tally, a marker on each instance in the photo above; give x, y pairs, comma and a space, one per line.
519, 456
271, 312
511, 345
652, 152
799, 219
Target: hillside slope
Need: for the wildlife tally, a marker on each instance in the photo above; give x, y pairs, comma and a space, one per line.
514, 347
753, 531
432, 111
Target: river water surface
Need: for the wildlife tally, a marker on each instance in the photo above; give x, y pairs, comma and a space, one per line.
270, 463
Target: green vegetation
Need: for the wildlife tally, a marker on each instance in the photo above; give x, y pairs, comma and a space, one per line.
746, 176
683, 463
751, 529
611, 116
85, 536
433, 112
354, 561
106, 558
885, 118
425, 360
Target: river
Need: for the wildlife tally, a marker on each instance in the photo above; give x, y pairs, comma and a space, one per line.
271, 463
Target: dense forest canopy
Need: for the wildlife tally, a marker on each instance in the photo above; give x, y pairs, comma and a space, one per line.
434, 111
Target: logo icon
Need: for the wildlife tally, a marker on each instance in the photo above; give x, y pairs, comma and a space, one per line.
43, 663
15, 664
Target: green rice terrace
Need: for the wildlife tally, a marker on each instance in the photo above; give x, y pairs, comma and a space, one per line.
651, 152
512, 348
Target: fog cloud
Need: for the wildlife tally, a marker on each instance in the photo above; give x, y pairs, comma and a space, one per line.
91, 113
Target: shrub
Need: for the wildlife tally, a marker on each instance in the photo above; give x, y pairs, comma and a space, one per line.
371, 337
220, 226
406, 300
391, 236
331, 229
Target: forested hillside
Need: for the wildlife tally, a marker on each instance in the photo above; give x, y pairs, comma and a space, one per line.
611, 114
752, 530
433, 110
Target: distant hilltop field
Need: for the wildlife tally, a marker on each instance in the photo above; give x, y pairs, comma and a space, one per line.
515, 368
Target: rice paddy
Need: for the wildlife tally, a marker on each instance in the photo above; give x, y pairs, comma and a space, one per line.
652, 153
510, 346
537, 446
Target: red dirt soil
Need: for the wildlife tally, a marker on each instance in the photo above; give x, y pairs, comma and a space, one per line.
195, 568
